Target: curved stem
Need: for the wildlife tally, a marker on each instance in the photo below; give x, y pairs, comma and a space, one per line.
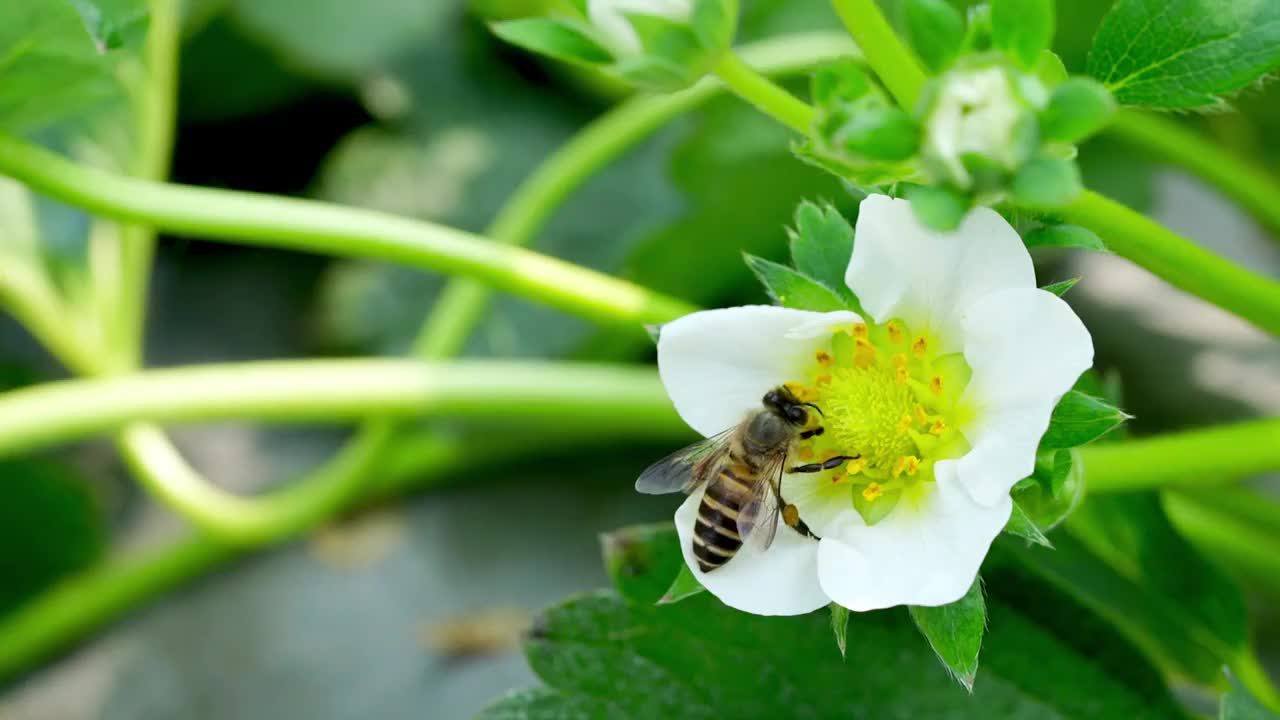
568, 397
768, 97
1211, 456
895, 64
1256, 189
312, 226
463, 301
1178, 260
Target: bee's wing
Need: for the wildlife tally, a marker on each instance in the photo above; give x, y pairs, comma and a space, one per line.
758, 518
685, 469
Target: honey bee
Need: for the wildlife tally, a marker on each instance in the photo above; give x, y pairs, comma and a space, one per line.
742, 469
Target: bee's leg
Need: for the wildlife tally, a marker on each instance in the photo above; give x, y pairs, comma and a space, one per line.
811, 433
791, 516
829, 464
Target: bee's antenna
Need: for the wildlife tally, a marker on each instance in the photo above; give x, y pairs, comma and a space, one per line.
815, 407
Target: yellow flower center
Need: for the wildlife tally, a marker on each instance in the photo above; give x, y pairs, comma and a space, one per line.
889, 399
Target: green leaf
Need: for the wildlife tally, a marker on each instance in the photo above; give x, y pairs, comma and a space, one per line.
840, 627
1022, 28
58, 59
938, 208
555, 38
1123, 558
603, 656
1072, 236
1185, 53
1061, 288
1079, 419
685, 585
1046, 182
50, 527
793, 289
955, 633
1078, 108
881, 133
935, 30
639, 567
1239, 704
821, 246
1021, 525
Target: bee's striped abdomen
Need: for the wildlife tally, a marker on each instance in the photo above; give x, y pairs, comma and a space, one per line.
715, 532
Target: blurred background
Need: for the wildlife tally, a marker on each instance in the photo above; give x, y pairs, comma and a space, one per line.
406, 610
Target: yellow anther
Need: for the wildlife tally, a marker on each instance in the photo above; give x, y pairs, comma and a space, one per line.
908, 464
922, 416
872, 491
920, 346
904, 424
900, 375
837, 476
938, 427
824, 358
802, 393
805, 452
860, 331
895, 331
900, 360
856, 465
935, 384
822, 380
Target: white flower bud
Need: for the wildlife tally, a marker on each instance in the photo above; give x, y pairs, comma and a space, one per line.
978, 112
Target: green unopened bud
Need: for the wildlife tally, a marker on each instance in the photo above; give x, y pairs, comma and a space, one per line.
879, 133
979, 116
1047, 182
1077, 109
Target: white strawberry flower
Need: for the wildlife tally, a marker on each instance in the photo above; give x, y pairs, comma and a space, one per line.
944, 389
610, 18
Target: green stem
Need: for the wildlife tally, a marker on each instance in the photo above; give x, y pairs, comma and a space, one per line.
1213, 456
895, 64
768, 97
462, 302
154, 114
588, 398
1234, 523
311, 226
1178, 260
1256, 189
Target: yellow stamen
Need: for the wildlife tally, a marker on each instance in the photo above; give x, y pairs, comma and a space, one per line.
824, 358
904, 424
836, 477
860, 331
922, 416
895, 332
872, 491
900, 376
935, 385
938, 428
822, 380
920, 346
802, 393
906, 464
855, 466
900, 360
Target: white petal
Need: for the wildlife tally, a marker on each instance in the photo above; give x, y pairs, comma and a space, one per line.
718, 364
924, 555
782, 580
902, 269
1026, 348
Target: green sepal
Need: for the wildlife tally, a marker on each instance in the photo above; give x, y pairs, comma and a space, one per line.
1239, 704
793, 289
1079, 419
873, 511
685, 585
652, 73
1064, 236
560, 39
1021, 525
855, 173
955, 632
938, 208
1053, 491
840, 626
841, 81
935, 30
1022, 28
1078, 108
1061, 288
1046, 182
1050, 70
714, 22
821, 246
883, 133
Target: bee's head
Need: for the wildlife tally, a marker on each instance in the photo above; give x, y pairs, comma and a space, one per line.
783, 403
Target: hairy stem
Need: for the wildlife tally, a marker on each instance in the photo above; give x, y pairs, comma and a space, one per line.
1210, 456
